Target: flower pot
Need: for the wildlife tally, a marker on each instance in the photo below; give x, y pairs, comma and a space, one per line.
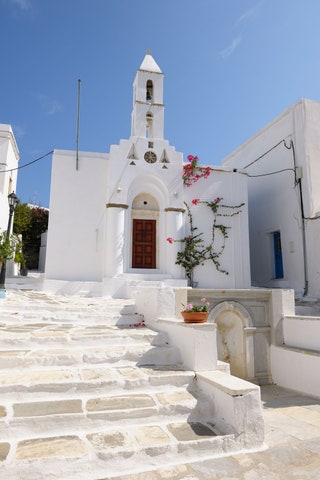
195, 317
23, 271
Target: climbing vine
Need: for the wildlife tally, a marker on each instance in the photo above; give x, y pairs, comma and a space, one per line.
195, 252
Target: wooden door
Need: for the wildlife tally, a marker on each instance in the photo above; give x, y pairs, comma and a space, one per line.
144, 244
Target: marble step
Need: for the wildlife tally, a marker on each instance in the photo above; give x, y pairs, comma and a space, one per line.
120, 319
23, 336
37, 301
72, 356
111, 453
65, 382
29, 419
30, 307
124, 354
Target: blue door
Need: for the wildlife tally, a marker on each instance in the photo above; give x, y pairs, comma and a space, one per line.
278, 265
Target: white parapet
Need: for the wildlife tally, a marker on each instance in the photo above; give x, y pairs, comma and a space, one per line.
302, 332
197, 342
236, 405
295, 368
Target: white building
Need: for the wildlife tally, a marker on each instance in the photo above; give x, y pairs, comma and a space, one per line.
9, 158
111, 213
282, 161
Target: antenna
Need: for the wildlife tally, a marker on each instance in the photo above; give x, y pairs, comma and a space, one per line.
78, 124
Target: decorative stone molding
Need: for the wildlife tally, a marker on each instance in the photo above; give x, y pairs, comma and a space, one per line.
172, 209
153, 104
233, 306
117, 205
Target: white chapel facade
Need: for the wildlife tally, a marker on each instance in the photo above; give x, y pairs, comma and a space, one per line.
110, 214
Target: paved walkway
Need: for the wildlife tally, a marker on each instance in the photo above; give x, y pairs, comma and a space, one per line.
292, 425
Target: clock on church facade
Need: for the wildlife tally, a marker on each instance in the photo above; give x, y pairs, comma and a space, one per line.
150, 157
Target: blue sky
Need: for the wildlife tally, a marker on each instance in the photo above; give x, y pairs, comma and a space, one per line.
230, 67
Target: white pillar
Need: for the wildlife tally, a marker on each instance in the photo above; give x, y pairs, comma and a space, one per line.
249, 346
115, 239
174, 224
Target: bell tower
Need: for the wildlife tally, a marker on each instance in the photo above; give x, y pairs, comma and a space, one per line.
148, 109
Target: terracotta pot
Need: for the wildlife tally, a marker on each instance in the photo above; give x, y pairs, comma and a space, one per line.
195, 317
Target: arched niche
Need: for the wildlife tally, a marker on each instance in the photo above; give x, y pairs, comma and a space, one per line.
149, 91
235, 344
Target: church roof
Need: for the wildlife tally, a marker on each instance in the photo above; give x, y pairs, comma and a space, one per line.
149, 64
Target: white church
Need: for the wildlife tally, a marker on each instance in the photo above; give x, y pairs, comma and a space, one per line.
138, 224
119, 221
111, 213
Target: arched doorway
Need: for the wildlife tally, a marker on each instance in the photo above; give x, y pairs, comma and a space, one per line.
145, 216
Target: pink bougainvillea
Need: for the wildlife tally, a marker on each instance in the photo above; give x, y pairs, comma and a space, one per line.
192, 172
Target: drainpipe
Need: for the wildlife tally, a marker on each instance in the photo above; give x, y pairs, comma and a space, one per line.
303, 219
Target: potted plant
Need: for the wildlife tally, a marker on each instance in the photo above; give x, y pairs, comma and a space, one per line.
20, 259
196, 313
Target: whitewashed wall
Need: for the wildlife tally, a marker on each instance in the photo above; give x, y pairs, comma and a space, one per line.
274, 200
75, 242
9, 158
232, 188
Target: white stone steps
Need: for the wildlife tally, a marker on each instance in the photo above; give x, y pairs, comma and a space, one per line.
26, 420
25, 307
65, 382
119, 319
81, 398
114, 452
24, 336
72, 356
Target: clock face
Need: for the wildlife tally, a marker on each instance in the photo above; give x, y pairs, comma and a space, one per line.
150, 157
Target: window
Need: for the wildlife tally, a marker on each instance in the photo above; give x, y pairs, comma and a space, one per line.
277, 252
149, 91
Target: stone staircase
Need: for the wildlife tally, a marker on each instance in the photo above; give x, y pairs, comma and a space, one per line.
88, 392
